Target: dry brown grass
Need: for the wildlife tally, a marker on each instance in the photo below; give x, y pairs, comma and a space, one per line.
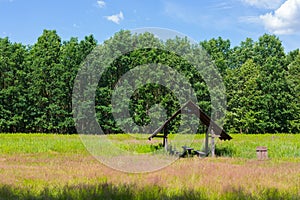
218, 175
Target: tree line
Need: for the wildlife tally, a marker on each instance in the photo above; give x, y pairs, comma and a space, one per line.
262, 82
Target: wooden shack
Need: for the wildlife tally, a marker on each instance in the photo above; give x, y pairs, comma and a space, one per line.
191, 108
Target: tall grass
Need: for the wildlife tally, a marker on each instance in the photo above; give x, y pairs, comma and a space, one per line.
71, 173
133, 192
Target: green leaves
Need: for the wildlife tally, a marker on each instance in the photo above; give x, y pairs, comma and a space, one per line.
244, 98
293, 80
260, 99
12, 85
219, 50
36, 82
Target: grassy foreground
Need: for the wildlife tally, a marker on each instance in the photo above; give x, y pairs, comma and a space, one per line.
39, 166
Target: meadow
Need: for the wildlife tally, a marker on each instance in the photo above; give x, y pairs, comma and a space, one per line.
52, 166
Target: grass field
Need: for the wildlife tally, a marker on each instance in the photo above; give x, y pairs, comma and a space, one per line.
40, 166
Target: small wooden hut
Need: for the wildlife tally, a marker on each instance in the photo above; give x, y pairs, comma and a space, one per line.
191, 108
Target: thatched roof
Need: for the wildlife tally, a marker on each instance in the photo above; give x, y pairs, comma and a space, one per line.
205, 119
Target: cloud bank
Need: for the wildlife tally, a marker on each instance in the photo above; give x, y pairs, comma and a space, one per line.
285, 20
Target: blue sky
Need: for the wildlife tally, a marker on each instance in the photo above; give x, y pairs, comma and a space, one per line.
24, 20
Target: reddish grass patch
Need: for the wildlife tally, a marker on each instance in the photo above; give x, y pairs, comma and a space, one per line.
218, 175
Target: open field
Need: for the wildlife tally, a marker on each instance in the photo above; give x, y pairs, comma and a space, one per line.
39, 166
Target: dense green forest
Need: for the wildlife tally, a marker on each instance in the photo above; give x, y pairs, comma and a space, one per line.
262, 82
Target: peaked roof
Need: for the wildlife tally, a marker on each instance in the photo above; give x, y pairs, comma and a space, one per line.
205, 119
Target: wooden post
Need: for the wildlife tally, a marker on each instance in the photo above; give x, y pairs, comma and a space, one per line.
165, 139
165, 143
213, 146
206, 143
262, 153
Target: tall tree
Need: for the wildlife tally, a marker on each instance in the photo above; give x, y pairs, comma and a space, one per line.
244, 98
73, 53
269, 54
12, 85
293, 78
45, 81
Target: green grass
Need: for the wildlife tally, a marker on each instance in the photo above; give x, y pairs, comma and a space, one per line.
40, 143
49, 166
280, 146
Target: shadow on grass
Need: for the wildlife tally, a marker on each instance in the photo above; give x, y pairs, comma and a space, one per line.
101, 191
124, 192
224, 151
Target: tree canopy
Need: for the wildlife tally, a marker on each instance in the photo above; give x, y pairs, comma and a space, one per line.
36, 82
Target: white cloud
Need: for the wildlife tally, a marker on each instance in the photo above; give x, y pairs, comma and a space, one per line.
101, 3
284, 20
117, 18
266, 4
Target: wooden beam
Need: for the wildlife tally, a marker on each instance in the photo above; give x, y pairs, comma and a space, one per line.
164, 124
196, 110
